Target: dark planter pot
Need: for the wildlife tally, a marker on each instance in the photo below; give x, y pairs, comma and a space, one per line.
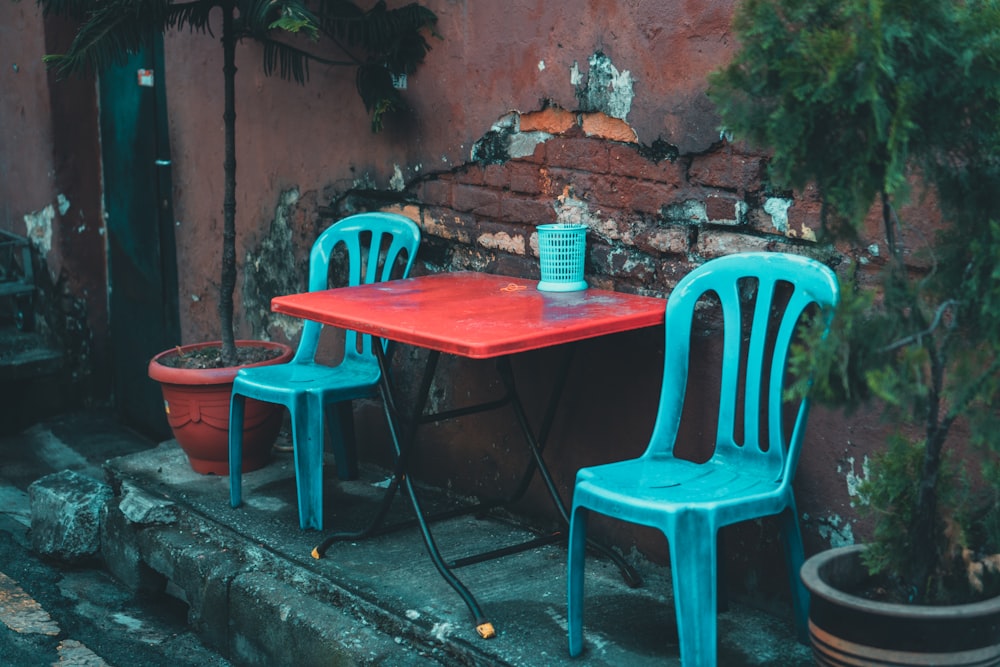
197, 406
845, 629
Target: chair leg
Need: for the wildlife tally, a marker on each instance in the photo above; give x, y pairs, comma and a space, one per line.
694, 570
237, 408
794, 558
577, 548
307, 441
342, 437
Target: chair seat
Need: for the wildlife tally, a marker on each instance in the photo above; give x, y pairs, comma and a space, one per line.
644, 491
353, 378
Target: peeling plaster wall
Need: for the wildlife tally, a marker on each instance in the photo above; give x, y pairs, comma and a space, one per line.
50, 191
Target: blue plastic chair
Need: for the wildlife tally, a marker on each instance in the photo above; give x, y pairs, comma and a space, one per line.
749, 474
376, 244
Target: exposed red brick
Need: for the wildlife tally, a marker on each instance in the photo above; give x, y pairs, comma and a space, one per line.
472, 174
525, 177
585, 154
526, 210
723, 209
502, 237
626, 161
515, 265
436, 192
728, 170
556, 181
552, 120
650, 197
472, 199
602, 126
446, 224
496, 175
601, 190
539, 157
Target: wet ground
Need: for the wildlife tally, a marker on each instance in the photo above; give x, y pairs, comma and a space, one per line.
374, 601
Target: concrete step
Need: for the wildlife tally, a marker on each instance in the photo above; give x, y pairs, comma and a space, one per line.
26, 354
256, 595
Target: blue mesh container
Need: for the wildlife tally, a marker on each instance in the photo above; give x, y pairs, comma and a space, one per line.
561, 249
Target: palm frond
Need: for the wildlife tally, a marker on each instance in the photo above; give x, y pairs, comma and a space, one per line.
112, 32
77, 10
374, 85
290, 63
390, 35
259, 17
194, 15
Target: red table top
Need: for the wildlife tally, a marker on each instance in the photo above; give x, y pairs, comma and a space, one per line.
474, 315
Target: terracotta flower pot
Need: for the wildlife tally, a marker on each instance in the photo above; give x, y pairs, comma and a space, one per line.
197, 405
846, 629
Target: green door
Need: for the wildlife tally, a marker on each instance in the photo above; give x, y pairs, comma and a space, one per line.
142, 266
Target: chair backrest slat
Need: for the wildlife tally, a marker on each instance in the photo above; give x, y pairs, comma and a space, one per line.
362, 236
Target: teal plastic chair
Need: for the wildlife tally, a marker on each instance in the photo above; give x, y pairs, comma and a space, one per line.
749, 474
379, 246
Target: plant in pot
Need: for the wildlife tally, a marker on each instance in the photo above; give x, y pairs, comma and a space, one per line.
872, 101
379, 44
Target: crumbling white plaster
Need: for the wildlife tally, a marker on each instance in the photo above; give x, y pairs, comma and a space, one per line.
502, 241
396, 182
607, 89
853, 479
63, 203
777, 208
522, 144
365, 182
834, 528
38, 227
691, 211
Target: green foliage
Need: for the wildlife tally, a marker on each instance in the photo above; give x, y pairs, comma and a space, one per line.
863, 98
891, 496
832, 369
378, 43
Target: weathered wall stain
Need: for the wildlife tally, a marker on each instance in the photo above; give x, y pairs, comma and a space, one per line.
604, 88
275, 266
38, 228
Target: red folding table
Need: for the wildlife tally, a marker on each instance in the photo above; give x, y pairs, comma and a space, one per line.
479, 316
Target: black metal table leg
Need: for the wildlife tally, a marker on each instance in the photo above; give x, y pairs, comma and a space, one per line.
402, 451
632, 578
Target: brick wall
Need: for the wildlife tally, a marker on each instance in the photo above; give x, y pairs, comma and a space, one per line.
651, 213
